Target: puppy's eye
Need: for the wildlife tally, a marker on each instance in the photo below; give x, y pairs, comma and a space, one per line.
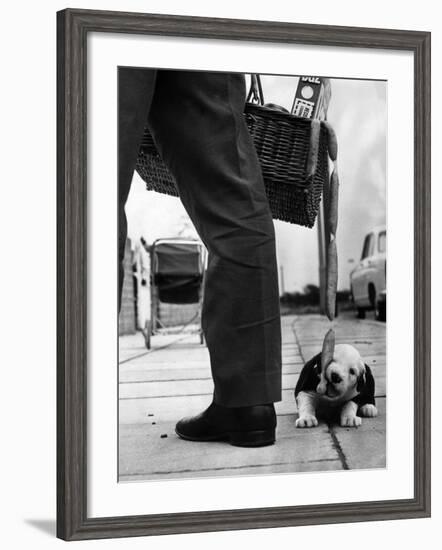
352, 371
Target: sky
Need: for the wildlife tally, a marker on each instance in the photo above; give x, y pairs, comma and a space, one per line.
358, 113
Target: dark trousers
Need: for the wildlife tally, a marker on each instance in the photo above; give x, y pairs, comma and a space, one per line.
196, 119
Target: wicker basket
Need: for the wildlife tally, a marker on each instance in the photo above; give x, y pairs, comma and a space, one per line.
294, 162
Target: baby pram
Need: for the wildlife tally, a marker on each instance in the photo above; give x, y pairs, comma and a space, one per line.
177, 277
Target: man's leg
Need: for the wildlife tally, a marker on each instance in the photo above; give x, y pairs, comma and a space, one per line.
135, 92
197, 122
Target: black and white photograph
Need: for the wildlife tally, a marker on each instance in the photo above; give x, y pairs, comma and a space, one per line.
252, 252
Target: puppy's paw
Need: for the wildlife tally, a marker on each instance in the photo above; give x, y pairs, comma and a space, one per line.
351, 421
307, 421
370, 411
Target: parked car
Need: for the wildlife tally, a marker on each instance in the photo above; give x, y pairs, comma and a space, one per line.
368, 278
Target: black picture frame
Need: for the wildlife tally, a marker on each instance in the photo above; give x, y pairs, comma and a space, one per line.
73, 26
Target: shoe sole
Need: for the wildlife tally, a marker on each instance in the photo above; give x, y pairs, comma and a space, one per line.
256, 438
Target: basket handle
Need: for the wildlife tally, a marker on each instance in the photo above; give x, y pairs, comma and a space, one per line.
255, 94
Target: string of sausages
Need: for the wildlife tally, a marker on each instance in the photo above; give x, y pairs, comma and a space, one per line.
331, 220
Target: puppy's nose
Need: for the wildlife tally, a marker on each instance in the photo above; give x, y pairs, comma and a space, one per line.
335, 378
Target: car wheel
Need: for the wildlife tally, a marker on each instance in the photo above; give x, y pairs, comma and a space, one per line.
372, 296
381, 311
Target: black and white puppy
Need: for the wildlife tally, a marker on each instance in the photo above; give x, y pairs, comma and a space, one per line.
346, 387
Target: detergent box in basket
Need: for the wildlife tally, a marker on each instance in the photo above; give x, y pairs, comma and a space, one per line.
312, 97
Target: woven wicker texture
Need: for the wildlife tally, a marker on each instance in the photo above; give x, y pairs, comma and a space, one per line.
282, 142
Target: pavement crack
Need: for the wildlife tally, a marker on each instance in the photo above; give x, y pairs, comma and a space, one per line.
298, 344
338, 448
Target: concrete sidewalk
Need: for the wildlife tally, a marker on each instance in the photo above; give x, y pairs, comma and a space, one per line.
173, 380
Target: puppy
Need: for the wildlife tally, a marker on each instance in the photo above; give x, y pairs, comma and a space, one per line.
346, 387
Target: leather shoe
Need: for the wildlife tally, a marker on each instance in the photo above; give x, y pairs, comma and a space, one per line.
252, 426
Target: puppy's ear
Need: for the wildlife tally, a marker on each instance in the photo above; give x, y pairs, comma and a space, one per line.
362, 381
314, 364
310, 374
366, 389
